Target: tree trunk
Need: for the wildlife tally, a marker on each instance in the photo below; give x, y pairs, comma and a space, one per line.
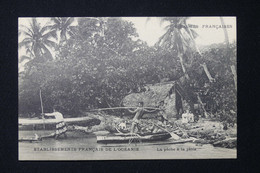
197, 49
192, 38
225, 31
207, 72
233, 69
182, 66
203, 108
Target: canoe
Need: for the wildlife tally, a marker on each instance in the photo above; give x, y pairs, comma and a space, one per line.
128, 138
165, 142
26, 121
30, 139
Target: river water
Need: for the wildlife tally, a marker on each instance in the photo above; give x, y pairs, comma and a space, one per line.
79, 146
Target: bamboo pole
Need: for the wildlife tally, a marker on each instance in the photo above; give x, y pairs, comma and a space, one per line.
113, 108
42, 108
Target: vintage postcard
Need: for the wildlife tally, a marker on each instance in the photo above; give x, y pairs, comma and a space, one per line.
127, 88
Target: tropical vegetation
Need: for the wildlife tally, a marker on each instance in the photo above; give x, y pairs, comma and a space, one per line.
98, 61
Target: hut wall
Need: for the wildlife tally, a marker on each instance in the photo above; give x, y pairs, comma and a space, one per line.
152, 97
170, 106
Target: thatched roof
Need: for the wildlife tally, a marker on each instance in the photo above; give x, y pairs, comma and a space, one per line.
154, 94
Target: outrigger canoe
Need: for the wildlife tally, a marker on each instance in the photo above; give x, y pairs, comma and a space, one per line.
26, 121
127, 138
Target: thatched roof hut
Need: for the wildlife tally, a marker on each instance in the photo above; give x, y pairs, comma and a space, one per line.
169, 92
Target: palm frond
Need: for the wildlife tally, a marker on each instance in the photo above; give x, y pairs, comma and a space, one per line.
27, 39
56, 20
178, 40
162, 20
35, 26
194, 33
55, 26
28, 34
45, 28
24, 43
50, 34
29, 51
50, 44
70, 32
69, 21
47, 52
23, 28
147, 20
163, 38
182, 20
167, 27
23, 58
63, 34
26, 31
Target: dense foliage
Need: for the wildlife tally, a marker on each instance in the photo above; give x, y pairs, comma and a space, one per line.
101, 60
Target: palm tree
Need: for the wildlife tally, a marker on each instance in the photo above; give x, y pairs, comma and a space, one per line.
37, 41
63, 25
177, 38
181, 39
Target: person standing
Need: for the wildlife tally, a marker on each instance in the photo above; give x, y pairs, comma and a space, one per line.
185, 116
138, 114
61, 127
162, 114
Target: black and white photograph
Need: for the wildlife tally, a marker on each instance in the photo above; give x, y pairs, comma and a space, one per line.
127, 88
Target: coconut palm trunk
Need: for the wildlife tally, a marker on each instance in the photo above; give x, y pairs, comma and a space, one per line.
204, 65
202, 106
180, 56
232, 67
207, 72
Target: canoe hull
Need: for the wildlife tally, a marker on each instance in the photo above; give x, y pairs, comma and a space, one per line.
132, 138
30, 139
26, 121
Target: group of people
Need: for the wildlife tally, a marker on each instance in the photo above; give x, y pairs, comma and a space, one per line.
187, 117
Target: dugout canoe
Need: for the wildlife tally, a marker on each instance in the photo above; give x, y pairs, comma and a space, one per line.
128, 138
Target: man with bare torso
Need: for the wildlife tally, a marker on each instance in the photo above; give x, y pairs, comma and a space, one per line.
138, 114
61, 127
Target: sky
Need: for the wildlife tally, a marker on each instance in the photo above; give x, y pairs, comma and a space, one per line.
150, 31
